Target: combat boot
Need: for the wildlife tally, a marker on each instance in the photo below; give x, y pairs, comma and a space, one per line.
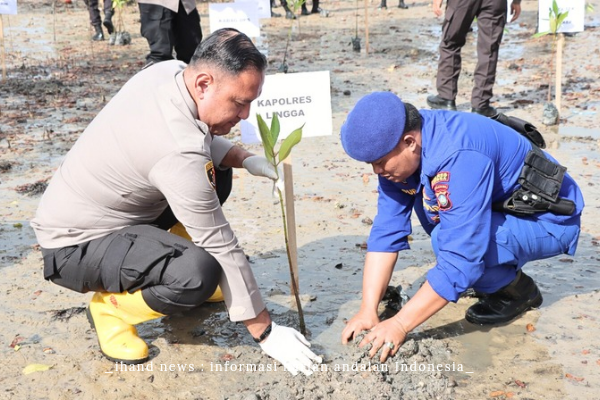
383, 4
98, 35
113, 315
108, 22
506, 304
315, 7
304, 9
402, 5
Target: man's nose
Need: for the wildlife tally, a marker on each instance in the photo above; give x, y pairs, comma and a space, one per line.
376, 169
245, 112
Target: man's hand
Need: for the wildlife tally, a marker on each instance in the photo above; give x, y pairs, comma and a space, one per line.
363, 321
388, 335
260, 166
437, 7
291, 349
515, 9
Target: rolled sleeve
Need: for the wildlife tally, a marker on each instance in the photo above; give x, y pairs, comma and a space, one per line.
218, 149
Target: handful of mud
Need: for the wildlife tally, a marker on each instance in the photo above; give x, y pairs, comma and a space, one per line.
415, 372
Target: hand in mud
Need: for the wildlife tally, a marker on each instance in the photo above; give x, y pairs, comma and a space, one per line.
363, 321
384, 333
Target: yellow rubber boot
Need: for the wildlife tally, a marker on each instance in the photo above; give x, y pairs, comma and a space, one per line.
179, 230
113, 315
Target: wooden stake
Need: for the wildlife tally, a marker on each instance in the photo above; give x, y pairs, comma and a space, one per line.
366, 27
291, 221
558, 85
3, 47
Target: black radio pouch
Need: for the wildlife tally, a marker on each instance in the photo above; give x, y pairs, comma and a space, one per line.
540, 178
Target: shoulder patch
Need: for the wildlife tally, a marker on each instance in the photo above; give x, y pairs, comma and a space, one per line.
440, 177
210, 174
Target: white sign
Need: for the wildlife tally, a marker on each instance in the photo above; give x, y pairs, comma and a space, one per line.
574, 21
297, 99
263, 7
241, 16
8, 6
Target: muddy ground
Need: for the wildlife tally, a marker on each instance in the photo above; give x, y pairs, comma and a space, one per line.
58, 80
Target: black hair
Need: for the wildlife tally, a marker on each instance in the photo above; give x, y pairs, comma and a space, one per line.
413, 118
229, 50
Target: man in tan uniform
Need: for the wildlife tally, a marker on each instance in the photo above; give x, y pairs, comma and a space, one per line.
153, 154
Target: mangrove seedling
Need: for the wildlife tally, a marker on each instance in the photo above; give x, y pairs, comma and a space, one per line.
269, 137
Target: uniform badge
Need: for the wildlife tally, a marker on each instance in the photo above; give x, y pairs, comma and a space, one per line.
210, 174
443, 198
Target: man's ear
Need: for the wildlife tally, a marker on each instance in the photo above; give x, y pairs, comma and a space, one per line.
202, 83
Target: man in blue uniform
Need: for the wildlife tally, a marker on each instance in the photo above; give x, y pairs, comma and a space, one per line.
469, 179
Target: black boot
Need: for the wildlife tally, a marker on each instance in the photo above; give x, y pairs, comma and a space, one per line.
507, 303
108, 22
304, 9
315, 8
438, 103
402, 5
383, 4
98, 35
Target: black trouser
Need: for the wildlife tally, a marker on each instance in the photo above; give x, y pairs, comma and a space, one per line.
173, 274
491, 18
95, 13
166, 30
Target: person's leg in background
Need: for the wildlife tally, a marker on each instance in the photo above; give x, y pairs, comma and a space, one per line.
187, 32
156, 28
95, 19
108, 14
458, 19
490, 23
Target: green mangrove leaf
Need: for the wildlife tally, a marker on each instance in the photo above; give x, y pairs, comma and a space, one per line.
561, 18
540, 34
265, 136
289, 142
275, 128
555, 7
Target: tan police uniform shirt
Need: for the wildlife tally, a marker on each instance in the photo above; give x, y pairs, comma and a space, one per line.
144, 150
172, 5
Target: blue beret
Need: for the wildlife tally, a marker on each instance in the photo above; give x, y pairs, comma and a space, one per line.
374, 127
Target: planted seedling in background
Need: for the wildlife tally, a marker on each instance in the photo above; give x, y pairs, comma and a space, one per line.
119, 37
269, 138
556, 19
294, 6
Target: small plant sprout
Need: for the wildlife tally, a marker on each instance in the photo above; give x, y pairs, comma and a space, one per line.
555, 22
269, 138
294, 6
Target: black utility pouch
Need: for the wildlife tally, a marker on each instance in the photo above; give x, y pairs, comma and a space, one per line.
541, 176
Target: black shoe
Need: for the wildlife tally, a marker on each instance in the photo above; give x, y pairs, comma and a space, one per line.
383, 4
488, 111
275, 15
402, 5
98, 35
436, 102
289, 15
304, 10
109, 26
506, 304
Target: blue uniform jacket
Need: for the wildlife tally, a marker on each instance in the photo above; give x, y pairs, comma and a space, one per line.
468, 162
